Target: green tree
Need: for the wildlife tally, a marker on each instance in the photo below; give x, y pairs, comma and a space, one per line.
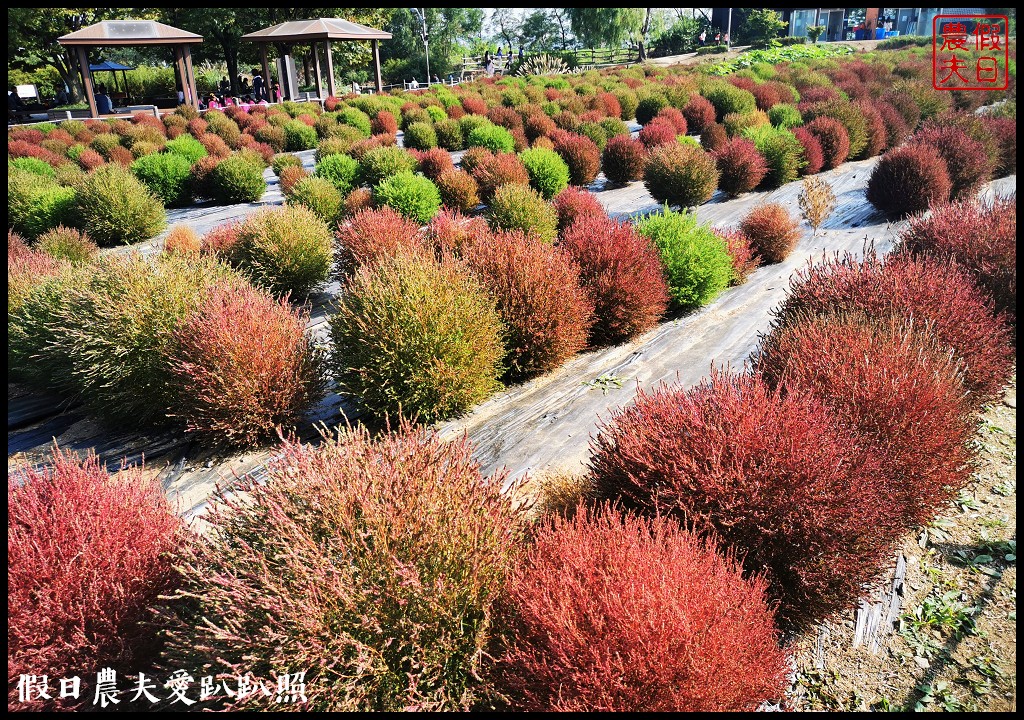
32, 38
539, 31
763, 27
605, 27
450, 31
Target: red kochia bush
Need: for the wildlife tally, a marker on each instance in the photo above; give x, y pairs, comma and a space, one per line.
674, 117
834, 140
699, 113
623, 159
458, 190
966, 161
581, 155
545, 310
741, 167
744, 260
657, 132
450, 232
776, 476
433, 163
877, 134
812, 153
221, 239
245, 366
384, 123
1004, 130
289, 177
572, 204
90, 160
908, 180
87, 555
498, 170
896, 128
895, 384
474, 105
714, 136
933, 291
980, 238
772, 231
370, 234
634, 615
20, 148
622, 272
537, 124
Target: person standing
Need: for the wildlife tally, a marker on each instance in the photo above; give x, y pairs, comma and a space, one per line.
259, 88
703, 37
520, 53
225, 86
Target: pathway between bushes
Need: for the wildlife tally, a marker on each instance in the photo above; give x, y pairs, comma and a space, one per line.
541, 426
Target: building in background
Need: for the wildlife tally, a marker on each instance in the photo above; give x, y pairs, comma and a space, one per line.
867, 23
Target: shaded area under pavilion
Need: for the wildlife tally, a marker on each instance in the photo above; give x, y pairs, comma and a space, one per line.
315, 32
121, 33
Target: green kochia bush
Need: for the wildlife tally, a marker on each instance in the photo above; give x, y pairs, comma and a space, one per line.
549, 174
517, 207
285, 249
370, 563
381, 163
115, 208
417, 338
318, 195
340, 170
681, 174
237, 180
780, 149
187, 147
420, 136
697, 264
167, 175
785, 116
36, 204
493, 137
299, 136
728, 98
32, 165
413, 196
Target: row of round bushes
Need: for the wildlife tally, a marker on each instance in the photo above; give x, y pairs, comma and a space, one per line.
182, 341
794, 481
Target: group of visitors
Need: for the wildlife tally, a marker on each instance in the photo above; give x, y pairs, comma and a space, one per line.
248, 93
493, 63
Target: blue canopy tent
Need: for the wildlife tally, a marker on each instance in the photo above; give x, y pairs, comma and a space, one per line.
112, 67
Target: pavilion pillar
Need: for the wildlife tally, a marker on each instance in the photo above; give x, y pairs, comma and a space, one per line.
179, 62
90, 93
316, 71
192, 92
376, 65
268, 83
330, 70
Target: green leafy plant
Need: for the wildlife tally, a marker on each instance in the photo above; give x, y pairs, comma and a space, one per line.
549, 174
285, 249
411, 195
518, 207
116, 208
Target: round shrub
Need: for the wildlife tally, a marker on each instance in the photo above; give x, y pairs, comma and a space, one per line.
384, 123
187, 147
167, 175
420, 136
182, 239
696, 264
64, 243
699, 114
908, 180
115, 208
381, 163
780, 149
88, 554
595, 132
657, 132
545, 310
813, 157
740, 166
785, 116
36, 204
413, 196
898, 387
775, 476
284, 160
877, 139
27, 269
581, 156
648, 107
451, 232
493, 137
338, 169
933, 291
1004, 131
434, 162
449, 134
680, 175
356, 118
237, 180
284, 249
573, 203
474, 157
517, 207
213, 144
622, 272
980, 238
714, 137
428, 542
773, 233
833, 138
494, 171
728, 98
416, 338
851, 118
579, 631
244, 366
458, 190
372, 234
290, 176
32, 165
537, 125
298, 136
319, 195
549, 174
735, 123
744, 259
965, 158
